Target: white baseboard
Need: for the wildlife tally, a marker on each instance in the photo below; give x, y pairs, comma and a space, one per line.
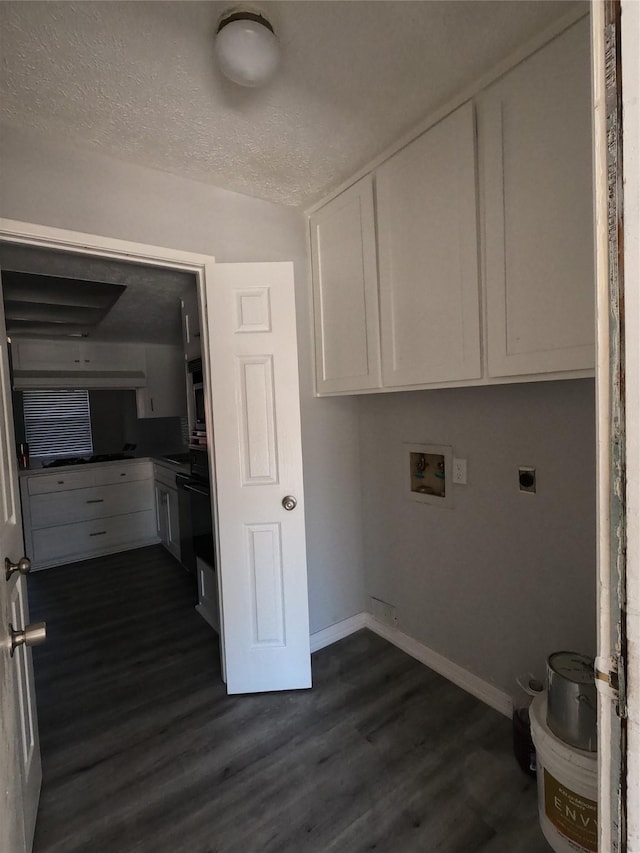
478, 687
338, 631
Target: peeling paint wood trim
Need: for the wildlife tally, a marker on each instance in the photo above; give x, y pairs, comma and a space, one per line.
610, 408
630, 37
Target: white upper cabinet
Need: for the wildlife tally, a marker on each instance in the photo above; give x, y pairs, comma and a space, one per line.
191, 324
77, 364
165, 394
484, 240
345, 292
535, 147
428, 245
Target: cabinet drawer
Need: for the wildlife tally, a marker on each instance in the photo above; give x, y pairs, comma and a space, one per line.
95, 502
129, 472
165, 476
61, 482
90, 475
51, 544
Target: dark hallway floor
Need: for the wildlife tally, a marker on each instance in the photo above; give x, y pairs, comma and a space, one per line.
143, 751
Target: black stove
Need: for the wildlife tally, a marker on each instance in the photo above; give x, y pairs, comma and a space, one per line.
85, 460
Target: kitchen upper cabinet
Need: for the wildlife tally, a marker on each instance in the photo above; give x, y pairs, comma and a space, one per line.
191, 324
345, 292
46, 355
77, 364
72, 356
484, 239
428, 255
535, 145
165, 394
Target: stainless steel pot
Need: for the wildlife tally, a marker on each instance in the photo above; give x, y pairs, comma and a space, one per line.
572, 706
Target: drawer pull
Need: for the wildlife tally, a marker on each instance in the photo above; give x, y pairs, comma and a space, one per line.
123, 474
96, 501
99, 533
61, 482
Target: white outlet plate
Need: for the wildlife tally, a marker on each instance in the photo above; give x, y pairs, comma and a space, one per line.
460, 472
383, 612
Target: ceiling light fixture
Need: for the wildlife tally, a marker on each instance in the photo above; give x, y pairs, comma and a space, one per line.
246, 48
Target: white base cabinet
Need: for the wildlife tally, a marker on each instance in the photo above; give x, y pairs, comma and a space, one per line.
208, 600
73, 515
167, 515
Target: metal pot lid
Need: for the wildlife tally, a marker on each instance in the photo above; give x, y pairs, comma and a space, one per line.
573, 666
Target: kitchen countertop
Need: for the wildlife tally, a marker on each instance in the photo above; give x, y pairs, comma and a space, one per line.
176, 467
37, 472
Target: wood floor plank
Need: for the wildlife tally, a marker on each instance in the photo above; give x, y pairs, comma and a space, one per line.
143, 751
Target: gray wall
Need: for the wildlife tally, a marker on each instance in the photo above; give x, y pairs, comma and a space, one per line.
78, 189
504, 578
494, 584
114, 421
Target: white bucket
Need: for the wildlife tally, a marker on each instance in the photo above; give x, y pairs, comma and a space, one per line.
567, 787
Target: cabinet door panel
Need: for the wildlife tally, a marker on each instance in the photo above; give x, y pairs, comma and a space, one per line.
165, 394
345, 292
428, 241
191, 324
535, 131
173, 523
46, 355
84, 504
53, 545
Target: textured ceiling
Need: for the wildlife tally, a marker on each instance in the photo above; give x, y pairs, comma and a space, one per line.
137, 80
147, 312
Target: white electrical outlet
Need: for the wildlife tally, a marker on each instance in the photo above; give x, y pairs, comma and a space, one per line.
460, 472
383, 612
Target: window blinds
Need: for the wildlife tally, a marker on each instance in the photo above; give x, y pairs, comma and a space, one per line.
57, 423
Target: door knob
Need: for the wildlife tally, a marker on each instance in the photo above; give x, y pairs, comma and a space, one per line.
32, 635
289, 502
23, 565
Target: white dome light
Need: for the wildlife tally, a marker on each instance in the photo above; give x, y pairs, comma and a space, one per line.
246, 48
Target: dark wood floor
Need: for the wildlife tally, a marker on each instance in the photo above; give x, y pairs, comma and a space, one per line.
143, 752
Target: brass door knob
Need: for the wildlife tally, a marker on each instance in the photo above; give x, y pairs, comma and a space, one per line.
23, 565
31, 635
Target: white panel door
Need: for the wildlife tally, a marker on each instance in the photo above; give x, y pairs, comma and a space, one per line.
428, 242
20, 768
345, 292
535, 137
258, 463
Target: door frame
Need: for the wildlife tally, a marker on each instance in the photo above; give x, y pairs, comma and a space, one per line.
199, 265
615, 35
630, 66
